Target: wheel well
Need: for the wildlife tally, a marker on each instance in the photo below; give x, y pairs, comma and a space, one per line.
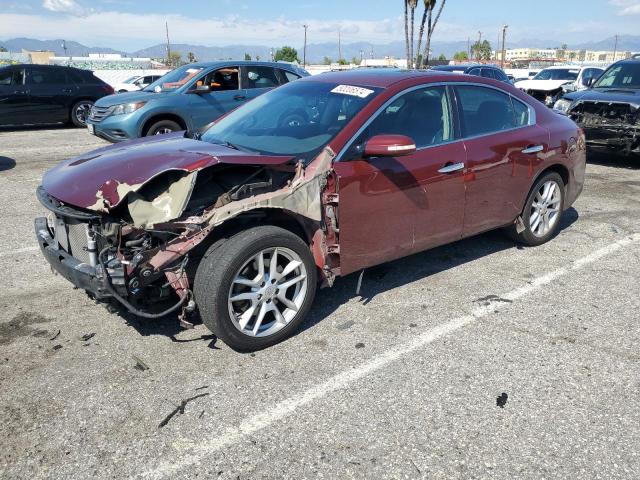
164, 116
560, 170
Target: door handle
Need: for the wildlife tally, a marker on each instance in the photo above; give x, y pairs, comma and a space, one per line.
66, 90
533, 149
451, 168
239, 97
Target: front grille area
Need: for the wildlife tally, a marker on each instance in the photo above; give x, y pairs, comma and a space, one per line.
599, 114
99, 113
71, 236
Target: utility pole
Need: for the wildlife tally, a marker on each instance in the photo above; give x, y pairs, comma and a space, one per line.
64, 47
166, 26
304, 52
504, 51
615, 48
339, 46
479, 42
469, 48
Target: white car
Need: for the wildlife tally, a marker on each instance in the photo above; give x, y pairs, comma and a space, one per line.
547, 86
136, 83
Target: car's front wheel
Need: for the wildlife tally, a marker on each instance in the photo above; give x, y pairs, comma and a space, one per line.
163, 126
80, 112
255, 289
542, 212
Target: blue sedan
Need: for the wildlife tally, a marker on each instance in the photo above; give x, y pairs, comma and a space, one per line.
186, 98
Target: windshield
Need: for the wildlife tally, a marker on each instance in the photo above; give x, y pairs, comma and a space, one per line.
131, 79
299, 119
557, 74
624, 75
174, 79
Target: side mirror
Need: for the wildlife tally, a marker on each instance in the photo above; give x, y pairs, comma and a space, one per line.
389, 146
201, 89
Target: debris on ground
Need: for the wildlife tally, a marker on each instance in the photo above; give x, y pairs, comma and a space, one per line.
57, 347
202, 387
346, 325
360, 345
201, 414
87, 336
55, 336
413, 325
180, 409
501, 401
486, 301
140, 365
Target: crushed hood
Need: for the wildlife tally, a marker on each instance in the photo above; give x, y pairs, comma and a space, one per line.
605, 95
101, 179
541, 85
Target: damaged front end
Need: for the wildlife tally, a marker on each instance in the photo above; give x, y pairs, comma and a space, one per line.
609, 125
140, 243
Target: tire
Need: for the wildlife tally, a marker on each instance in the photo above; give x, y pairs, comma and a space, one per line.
80, 112
162, 127
234, 322
536, 232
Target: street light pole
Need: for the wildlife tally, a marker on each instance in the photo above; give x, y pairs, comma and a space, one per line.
304, 52
504, 36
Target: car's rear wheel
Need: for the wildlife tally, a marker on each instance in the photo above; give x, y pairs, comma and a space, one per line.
255, 289
163, 126
542, 212
80, 112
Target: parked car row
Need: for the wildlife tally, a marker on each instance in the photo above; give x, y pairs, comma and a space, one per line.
551, 83
135, 83
316, 179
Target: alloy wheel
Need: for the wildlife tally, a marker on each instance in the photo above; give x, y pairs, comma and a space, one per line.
82, 112
267, 292
163, 130
545, 209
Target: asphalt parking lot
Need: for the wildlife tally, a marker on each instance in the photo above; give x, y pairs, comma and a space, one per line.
399, 382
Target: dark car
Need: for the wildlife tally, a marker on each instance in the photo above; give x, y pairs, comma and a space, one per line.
486, 71
609, 111
46, 94
316, 179
187, 98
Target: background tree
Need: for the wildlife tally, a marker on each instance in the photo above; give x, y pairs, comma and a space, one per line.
406, 30
355, 60
326, 61
257, 58
247, 57
460, 56
191, 57
481, 50
413, 4
175, 59
442, 57
286, 54
342, 61
2, 49
431, 23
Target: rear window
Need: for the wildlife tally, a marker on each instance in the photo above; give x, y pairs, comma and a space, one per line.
485, 110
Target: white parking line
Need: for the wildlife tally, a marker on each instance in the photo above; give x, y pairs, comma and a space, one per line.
18, 251
287, 407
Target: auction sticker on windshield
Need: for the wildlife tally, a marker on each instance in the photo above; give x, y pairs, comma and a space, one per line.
353, 91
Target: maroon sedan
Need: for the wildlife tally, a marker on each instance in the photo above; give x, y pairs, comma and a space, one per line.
317, 179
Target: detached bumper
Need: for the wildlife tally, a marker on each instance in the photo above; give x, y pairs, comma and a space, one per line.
80, 274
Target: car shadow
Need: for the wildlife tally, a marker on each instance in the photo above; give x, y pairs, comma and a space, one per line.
35, 128
375, 281
6, 163
607, 159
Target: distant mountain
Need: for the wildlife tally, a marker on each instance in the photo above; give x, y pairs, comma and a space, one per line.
315, 51
73, 48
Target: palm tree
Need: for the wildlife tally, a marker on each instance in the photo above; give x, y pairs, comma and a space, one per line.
413, 4
428, 7
431, 26
406, 28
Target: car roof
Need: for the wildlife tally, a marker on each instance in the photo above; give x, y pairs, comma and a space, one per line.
244, 63
385, 78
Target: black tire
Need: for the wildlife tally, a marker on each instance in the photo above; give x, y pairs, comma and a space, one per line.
163, 126
527, 236
217, 270
80, 112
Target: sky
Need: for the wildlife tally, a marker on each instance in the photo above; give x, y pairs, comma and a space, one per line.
130, 25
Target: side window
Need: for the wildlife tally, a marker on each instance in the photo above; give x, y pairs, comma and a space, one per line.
287, 76
484, 110
474, 71
222, 79
488, 73
147, 80
500, 75
522, 113
260, 77
46, 76
8, 77
423, 115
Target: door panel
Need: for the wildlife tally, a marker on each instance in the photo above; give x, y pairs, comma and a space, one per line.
14, 98
50, 94
225, 96
497, 175
392, 207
